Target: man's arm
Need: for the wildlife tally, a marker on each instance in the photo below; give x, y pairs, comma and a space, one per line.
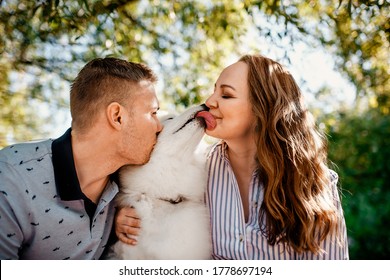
11, 236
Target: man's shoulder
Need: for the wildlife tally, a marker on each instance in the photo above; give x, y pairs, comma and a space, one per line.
24, 152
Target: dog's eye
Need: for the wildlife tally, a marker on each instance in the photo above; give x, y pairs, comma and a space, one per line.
177, 200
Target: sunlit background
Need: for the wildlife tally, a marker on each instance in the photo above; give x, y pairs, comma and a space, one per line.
338, 51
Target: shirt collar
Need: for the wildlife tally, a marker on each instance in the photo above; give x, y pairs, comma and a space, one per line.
65, 174
224, 154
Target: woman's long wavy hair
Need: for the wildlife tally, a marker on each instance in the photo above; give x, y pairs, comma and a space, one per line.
292, 154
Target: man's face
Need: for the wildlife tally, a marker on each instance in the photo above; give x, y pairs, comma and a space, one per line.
142, 127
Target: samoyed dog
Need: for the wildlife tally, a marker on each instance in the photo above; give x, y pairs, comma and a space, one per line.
168, 193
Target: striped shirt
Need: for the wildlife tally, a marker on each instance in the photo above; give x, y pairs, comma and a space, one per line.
233, 238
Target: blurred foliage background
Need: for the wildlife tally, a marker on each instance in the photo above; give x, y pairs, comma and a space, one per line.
44, 43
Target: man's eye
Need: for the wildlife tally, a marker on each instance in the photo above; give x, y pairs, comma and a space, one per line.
226, 96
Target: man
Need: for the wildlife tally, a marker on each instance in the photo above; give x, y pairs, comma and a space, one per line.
56, 197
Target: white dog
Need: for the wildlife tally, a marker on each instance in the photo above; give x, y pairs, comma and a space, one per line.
168, 194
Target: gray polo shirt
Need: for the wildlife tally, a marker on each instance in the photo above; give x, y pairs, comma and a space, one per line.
43, 212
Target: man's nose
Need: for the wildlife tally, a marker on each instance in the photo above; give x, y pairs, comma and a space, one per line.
159, 127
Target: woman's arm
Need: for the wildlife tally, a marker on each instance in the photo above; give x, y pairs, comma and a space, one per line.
127, 225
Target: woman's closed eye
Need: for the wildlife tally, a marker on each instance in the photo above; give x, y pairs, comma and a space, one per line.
226, 95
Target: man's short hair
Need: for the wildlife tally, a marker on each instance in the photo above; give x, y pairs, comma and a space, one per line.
101, 82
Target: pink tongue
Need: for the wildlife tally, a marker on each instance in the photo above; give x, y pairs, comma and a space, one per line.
210, 121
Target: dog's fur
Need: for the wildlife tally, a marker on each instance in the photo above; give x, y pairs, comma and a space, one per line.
168, 195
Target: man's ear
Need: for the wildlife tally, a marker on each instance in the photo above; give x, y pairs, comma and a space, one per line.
114, 114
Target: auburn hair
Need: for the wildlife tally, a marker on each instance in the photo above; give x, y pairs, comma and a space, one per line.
298, 201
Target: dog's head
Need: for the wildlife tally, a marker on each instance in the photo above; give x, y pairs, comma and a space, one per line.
183, 133
177, 160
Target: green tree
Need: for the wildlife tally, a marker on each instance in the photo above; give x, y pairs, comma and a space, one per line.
44, 43
187, 41
360, 147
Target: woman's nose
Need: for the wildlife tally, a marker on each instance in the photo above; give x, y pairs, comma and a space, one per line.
211, 102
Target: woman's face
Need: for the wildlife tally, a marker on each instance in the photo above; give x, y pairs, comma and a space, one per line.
230, 106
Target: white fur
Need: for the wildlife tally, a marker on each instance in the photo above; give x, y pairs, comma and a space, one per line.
177, 169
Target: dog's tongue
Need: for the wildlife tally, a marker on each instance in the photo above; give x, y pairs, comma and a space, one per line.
209, 119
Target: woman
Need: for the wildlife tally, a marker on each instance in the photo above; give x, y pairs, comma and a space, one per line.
270, 192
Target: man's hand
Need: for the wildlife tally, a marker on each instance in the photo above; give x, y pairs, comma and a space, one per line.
127, 225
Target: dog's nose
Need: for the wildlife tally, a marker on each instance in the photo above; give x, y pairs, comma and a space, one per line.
205, 107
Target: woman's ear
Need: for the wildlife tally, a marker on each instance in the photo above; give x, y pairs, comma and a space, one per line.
114, 114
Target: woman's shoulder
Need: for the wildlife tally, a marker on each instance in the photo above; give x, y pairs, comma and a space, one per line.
216, 148
334, 177
335, 186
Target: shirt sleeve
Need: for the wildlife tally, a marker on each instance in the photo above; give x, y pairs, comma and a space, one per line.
11, 235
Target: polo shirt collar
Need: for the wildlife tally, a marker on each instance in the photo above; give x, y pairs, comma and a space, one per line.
65, 174
67, 182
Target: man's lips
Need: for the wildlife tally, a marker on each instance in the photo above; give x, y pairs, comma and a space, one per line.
209, 119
